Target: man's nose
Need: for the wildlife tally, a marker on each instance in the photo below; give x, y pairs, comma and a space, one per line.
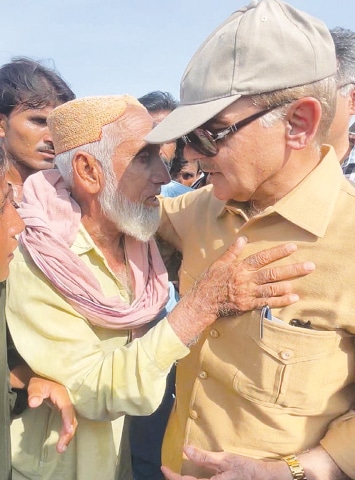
47, 137
161, 174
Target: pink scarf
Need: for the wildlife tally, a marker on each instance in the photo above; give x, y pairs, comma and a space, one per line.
52, 220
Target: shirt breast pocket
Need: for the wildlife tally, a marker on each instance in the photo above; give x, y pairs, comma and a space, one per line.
287, 367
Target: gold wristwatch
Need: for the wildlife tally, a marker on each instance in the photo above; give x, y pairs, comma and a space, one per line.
295, 467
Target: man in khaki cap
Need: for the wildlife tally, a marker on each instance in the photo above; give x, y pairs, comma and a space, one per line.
91, 280
274, 388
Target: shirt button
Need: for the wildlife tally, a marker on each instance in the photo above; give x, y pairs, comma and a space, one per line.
214, 333
193, 415
286, 354
203, 375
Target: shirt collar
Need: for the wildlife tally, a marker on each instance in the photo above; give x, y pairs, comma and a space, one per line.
83, 242
310, 204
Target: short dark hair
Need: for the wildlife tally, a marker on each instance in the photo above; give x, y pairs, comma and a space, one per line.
158, 101
30, 84
178, 162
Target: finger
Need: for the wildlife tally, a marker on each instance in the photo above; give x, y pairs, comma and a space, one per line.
265, 257
213, 460
284, 272
233, 251
66, 435
225, 463
69, 421
257, 303
37, 392
236, 247
170, 475
63, 442
270, 290
277, 302
35, 401
69, 425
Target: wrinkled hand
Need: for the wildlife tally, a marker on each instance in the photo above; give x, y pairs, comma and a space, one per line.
231, 286
238, 286
40, 389
229, 466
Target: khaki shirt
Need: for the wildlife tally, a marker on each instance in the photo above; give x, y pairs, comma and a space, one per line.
276, 395
106, 376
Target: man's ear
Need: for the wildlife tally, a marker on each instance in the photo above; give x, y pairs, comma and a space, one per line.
352, 100
3, 123
87, 173
303, 120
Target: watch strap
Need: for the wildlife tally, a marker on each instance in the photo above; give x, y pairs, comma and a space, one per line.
295, 467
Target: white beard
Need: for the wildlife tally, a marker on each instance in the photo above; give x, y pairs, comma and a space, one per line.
133, 219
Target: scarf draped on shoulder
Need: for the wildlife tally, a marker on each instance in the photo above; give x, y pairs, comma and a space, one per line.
52, 220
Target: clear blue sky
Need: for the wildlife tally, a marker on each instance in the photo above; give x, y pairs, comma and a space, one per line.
127, 46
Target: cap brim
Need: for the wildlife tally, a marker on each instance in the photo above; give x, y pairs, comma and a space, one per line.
186, 118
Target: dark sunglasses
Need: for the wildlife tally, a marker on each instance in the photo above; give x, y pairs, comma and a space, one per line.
205, 142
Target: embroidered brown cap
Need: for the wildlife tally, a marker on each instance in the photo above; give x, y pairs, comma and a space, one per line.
80, 121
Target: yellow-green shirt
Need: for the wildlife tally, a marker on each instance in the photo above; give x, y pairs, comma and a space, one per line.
106, 377
5, 447
276, 395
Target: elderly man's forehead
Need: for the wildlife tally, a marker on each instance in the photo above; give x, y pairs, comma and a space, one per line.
133, 127
139, 111
136, 120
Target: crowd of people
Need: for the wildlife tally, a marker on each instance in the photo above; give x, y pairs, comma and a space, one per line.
176, 291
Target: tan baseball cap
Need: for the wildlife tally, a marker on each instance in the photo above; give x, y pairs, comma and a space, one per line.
266, 46
80, 121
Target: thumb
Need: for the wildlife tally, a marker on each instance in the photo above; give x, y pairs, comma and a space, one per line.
35, 401
195, 454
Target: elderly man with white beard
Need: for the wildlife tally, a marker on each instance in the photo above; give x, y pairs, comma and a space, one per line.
88, 280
